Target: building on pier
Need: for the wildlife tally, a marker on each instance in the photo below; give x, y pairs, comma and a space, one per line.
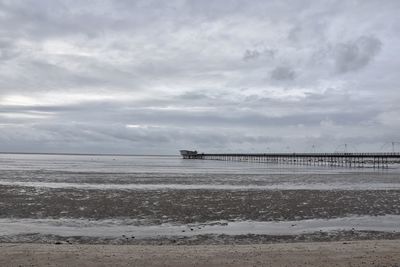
188, 154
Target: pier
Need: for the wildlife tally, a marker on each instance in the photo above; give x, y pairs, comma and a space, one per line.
350, 160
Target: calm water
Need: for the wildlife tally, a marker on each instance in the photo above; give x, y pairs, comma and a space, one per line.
157, 172
149, 196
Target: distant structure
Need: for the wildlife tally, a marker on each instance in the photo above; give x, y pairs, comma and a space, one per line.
352, 160
187, 154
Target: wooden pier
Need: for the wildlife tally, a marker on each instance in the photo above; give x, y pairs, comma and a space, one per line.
351, 160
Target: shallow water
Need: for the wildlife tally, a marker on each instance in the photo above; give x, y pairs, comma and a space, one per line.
162, 170
229, 187
118, 227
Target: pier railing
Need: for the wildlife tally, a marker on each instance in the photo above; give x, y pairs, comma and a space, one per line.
360, 160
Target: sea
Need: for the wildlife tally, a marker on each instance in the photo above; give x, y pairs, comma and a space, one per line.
121, 199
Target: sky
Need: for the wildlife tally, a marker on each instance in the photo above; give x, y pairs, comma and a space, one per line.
153, 77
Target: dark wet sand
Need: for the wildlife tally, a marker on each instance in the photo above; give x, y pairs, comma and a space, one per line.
210, 239
360, 253
195, 206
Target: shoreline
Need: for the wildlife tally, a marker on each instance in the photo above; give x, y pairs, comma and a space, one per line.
343, 253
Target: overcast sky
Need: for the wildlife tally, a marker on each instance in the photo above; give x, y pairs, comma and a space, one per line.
157, 76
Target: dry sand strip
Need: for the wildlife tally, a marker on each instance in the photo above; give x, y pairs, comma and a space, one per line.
354, 253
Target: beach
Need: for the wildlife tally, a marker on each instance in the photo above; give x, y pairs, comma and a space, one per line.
94, 210
356, 253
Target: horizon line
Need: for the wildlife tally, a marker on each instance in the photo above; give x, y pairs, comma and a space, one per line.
83, 154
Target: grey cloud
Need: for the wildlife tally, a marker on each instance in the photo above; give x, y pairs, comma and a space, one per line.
283, 74
251, 54
215, 9
194, 96
175, 70
228, 113
39, 20
357, 54
7, 50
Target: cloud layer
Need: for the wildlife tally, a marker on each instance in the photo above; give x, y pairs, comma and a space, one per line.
157, 76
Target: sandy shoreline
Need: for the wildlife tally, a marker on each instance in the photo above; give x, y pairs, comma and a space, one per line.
351, 253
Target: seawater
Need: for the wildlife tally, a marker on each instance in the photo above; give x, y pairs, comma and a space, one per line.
139, 172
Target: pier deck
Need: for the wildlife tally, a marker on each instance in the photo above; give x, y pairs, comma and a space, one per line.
373, 160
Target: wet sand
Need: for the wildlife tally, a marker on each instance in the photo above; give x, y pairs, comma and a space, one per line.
349, 253
185, 207
195, 206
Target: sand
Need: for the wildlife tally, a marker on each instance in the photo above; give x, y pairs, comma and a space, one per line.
195, 206
352, 253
